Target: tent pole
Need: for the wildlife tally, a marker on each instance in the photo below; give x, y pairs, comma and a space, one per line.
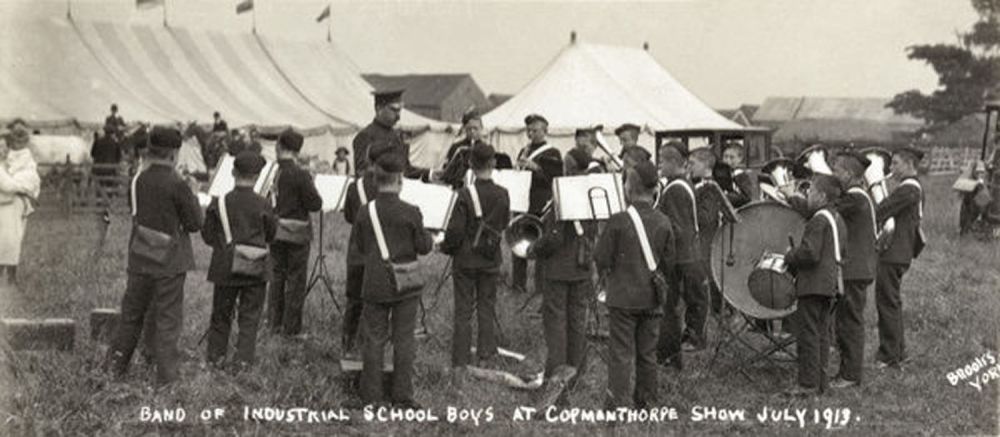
165, 24
254, 18
328, 20
69, 10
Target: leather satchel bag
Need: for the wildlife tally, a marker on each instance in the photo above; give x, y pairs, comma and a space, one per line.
247, 260
293, 231
405, 277
658, 279
148, 243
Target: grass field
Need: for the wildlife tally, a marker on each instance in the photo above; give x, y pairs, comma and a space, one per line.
952, 309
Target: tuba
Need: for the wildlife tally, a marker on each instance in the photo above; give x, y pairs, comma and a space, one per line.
815, 158
876, 176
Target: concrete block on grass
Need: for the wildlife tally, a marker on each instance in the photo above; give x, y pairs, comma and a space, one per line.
39, 334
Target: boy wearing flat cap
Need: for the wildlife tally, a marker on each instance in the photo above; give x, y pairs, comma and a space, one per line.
295, 197
239, 225
816, 263
473, 240
164, 212
545, 163
580, 159
391, 226
905, 205
457, 170
633, 244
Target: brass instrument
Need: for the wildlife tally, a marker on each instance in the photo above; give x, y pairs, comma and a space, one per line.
780, 171
524, 230
601, 144
876, 176
815, 158
595, 194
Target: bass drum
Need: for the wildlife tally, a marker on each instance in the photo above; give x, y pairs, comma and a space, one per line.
737, 248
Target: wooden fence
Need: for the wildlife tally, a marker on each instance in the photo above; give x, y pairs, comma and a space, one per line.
85, 188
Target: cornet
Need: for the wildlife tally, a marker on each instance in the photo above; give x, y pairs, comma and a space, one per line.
814, 158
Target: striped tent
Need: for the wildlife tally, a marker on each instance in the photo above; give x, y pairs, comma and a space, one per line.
60, 72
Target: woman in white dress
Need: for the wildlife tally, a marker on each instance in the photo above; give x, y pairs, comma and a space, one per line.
19, 188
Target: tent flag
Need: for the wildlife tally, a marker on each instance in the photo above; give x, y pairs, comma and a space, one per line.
244, 6
323, 15
147, 4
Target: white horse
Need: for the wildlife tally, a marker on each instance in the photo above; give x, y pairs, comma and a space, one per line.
58, 149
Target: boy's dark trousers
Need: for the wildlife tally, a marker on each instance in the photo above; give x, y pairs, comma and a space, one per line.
668, 345
352, 314
165, 294
250, 301
564, 316
475, 290
378, 322
889, 303
695, 296
812, 330
519, 273
632, 348
288, 287
850, 328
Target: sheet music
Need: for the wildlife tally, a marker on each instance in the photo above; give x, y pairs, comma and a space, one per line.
588, 197
332, 189
223, 181
518, 185
435, 201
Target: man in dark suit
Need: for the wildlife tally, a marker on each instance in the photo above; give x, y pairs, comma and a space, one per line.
388, 107
545, 163
634, 305
246, 218
164, 212
115, 122
218, 124
818, 281
295, 197
389, 311
473, 240
905, 206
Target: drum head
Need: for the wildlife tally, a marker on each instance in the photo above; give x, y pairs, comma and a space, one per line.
763, 226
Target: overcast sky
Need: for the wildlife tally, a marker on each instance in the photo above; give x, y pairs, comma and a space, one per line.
727, 52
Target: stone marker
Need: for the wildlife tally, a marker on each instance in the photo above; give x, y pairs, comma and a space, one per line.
103, 323
39, 334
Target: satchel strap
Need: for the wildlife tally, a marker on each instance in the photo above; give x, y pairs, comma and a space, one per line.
360, 186
476, 205
377, 226
836, 247
640, 230
914, 183
135, 203
871, 205
224, 218
690, 191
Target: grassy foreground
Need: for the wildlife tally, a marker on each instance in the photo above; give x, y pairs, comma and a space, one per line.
952, 310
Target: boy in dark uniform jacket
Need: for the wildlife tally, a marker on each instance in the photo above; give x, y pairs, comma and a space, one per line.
634, 306
473, 241
711, 200
295, 196
163, 207
456, 168
816, 263
579, 159
564, 253
858, 211
741, 189
354, 201
251, 221
678, 202
387, 310
905, 205
545, 163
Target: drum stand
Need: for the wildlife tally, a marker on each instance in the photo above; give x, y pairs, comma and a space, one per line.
319, 271
736, 335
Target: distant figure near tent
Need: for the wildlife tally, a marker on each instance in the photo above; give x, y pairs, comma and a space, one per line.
342, 165
219, 124
115, 121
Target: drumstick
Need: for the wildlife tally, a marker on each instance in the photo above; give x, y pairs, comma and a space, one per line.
791, 241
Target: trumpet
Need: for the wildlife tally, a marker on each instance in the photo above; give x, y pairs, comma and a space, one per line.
603, 145
780, 171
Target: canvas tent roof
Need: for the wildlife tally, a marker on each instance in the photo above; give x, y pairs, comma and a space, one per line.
589, 84
162, 75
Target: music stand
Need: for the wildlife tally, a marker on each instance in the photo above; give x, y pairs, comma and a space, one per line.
332, 189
